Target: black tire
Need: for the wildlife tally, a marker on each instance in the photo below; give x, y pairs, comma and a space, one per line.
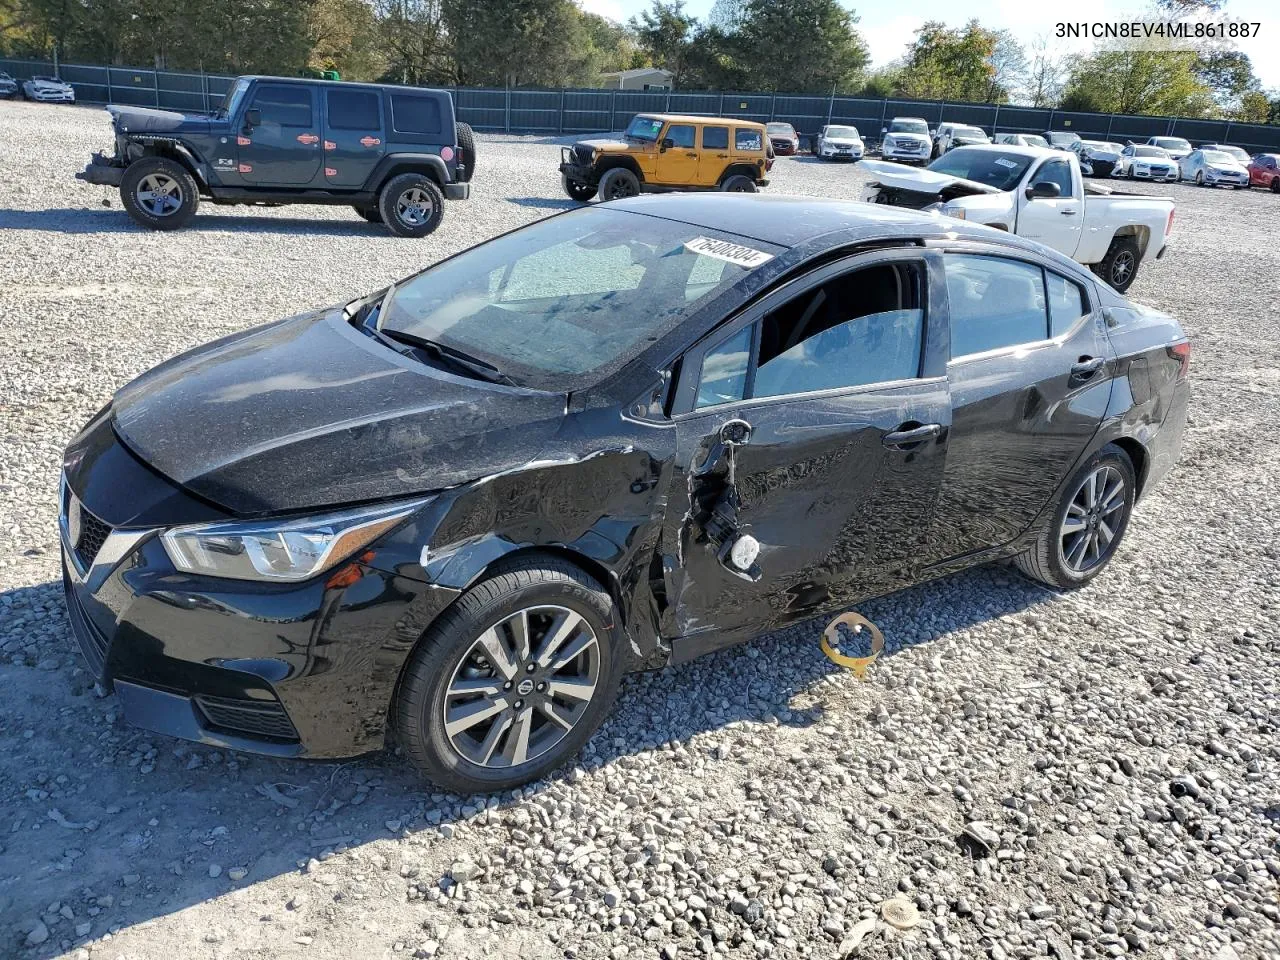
1275, 184
466, 150
1199, 178
1119, 267
618, 184
1045, 559
418, 713
738, 183
369, 213
411, 205
157, 172
582, 192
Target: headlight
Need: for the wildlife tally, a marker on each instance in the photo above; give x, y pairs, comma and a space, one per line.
950, 211
294, 549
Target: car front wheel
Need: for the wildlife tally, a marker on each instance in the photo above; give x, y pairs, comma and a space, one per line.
512, 680
1090, 522
576, 190
159, 193
618, 183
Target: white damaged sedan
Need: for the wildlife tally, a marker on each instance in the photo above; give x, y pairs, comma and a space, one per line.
48, 90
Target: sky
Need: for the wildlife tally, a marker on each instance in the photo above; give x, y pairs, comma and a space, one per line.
888, 29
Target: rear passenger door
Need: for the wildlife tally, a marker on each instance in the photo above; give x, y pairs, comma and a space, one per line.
713, 157
1030, 383
282, 148
354, 141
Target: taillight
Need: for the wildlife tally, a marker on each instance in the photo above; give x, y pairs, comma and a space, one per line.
1182, 353
1168, 227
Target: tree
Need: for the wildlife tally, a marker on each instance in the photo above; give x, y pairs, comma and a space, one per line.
951, 64
801, 45
1046, 75
344, 36
1138, 81
665, 33
1228, 74
415, 40
515, 42
1009, 66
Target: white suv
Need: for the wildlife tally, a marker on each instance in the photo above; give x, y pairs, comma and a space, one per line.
906, 139
839, 141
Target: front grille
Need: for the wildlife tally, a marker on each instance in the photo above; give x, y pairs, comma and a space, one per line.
91, 640
582, 154
257, 718
93, 534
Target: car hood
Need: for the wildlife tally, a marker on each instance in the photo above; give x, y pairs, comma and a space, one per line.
924, 181
604, 143
309, 412
148, 120
969, 141
50, 84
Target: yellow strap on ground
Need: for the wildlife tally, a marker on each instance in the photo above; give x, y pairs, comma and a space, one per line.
831, 639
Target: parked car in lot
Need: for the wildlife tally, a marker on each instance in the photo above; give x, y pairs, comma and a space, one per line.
1140, 162
1097, 158
9, 87
48, 90
660, 152
456, 510
1022, 139
839, 142
907, 140
1264, 171
1213, 168
1039, 194
1237, 153
1061, 139
783, 137
951, 135
1176, 147
391, 153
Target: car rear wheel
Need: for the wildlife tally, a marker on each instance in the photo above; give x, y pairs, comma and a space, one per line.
1199, 178
1275, 184
411, 205
576, 190
512, 680
1084, 532
159, 193
738, 183
369, 213
1120, 266
618, 184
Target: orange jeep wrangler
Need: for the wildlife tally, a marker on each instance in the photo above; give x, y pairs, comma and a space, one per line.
661, 152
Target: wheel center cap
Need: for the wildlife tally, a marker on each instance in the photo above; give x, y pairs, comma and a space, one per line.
524, 687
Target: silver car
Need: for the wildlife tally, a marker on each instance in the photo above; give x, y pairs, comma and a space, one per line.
48, 90
1214, 168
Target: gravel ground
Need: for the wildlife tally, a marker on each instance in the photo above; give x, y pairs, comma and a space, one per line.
758, 802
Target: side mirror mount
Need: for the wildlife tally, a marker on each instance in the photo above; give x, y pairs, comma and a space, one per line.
667, 144
1043, 190
252, 118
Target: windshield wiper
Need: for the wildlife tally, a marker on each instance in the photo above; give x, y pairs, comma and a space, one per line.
451, 355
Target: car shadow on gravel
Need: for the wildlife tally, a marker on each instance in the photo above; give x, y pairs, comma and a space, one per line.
109, 826
79, 220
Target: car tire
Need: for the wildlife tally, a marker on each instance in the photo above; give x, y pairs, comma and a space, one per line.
411, 205
474, 758
1052, 557
738, 183
582, 192
369, 213
1120, 266
1275, 184
159, 193
618, 184
467, 148
1199, 178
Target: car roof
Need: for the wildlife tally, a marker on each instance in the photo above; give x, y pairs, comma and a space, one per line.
790, 220
687, 118
896, 119
340, 83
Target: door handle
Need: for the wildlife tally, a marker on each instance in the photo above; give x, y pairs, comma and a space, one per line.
901, 439
694, 155
1067, 213
1086, 367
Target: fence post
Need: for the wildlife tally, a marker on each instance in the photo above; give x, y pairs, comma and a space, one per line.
773, 106
155, 86
109, 86
831, 103
1226, 136
666, 103
561, 127
613, 110
1111, 118
722, 104
1052, 110
506, 111
995, 122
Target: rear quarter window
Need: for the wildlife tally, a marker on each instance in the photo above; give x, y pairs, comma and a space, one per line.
415, 115
747, 139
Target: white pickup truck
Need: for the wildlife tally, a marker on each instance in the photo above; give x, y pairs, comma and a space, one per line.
1038, 194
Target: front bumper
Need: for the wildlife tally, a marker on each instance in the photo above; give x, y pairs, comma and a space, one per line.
904, 151
831, 153
102, 171
1146, 173
785, 148
1215, 180
54, 97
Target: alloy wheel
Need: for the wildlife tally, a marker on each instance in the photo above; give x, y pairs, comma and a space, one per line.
415, 206
1121, 267
159, 195
1093, 519
620, 190
522, 687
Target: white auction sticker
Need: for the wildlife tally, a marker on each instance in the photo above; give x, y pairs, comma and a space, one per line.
729, 252
1004, 162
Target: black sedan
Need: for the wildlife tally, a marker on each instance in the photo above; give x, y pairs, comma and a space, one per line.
456, 511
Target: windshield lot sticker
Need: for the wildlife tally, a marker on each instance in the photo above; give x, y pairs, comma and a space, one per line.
1004, 162
729, 252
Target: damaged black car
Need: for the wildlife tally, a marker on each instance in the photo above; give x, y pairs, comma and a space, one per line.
455, 512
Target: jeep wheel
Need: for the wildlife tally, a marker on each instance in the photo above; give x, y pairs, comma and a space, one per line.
618, 183
411, 205
738, 183
369, 213
581, 192
466, 150
159, 193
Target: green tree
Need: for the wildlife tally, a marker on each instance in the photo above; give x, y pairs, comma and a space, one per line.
415, 43
516, 42
801, 45
1142, 81
665, 34
952, 64
344, 36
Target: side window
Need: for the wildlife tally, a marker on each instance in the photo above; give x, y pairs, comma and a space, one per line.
1056, 171
747, 139
410, 114
284, 105
724, 370
681, 134
1067, 303
715, 138
353, 110
994, 303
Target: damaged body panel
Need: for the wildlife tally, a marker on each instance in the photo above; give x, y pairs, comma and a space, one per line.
460, 508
